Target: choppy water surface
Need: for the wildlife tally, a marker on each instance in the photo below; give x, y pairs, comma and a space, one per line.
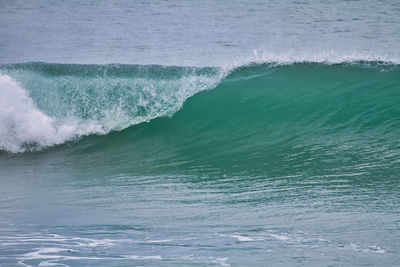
205, 33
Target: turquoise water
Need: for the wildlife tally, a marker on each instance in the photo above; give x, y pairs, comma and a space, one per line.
283, 164
200, 134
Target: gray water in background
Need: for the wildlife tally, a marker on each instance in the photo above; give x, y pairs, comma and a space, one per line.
203, 33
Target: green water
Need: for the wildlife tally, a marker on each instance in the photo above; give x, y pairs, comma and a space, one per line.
264, 164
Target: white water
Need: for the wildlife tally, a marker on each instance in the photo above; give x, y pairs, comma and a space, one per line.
22, 123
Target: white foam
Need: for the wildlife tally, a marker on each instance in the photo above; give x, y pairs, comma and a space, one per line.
136, 257
21, 122
158, 241
220, 261
368, 249
241, 238
43, 253
23, 263
52, 263
280, 237
87, 242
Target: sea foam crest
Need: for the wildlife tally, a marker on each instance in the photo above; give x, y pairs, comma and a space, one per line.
321, 56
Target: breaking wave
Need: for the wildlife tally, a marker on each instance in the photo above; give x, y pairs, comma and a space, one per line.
48, 104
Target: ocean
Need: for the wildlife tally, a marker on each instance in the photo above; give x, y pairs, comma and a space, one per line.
212, 133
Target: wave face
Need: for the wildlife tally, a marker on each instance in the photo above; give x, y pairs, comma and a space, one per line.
252, 109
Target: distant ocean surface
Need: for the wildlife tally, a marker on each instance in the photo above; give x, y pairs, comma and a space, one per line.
212, 133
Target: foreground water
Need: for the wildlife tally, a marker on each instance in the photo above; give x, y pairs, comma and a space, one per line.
283, 151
